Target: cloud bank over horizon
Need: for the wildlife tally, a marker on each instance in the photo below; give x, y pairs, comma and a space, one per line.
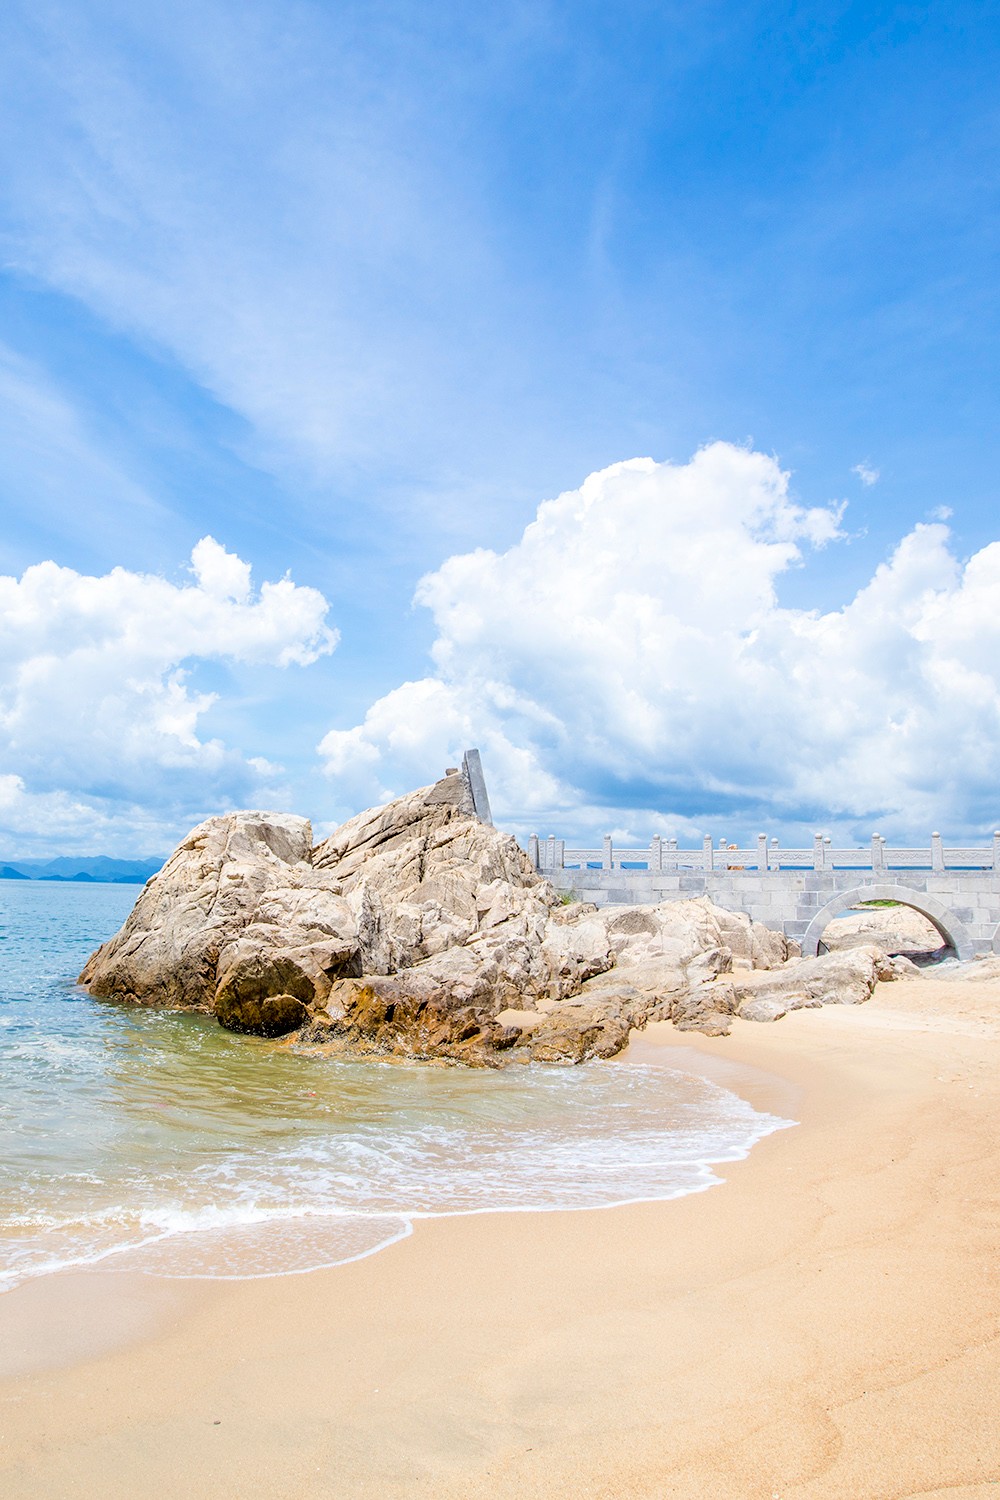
101, 745
627, 665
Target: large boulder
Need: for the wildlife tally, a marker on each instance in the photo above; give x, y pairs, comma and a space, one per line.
419, 931
246, 910
236, 886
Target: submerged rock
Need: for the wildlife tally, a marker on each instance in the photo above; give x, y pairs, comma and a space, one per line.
416, 930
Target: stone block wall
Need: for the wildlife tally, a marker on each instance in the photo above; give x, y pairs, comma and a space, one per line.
963, 904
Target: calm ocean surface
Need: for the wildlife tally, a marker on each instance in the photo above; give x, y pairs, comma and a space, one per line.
159, 1142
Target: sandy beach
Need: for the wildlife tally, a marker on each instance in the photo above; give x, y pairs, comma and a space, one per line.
824, 1324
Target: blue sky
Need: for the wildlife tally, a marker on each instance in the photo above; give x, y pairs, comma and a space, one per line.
353, 289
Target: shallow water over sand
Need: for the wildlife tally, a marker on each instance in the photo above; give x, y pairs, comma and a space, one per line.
158, 1141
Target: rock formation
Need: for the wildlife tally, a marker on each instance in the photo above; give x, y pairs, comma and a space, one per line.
417, 930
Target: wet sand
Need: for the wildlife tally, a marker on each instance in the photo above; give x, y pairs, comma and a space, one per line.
825, 1324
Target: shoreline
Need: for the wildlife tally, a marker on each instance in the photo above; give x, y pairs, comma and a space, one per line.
63, 1317
823, 1324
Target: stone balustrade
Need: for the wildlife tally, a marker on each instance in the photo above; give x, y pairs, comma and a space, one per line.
662, 855
797, 890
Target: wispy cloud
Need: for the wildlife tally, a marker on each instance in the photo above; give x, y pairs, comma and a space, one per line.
57, 473
866, 472
306, 241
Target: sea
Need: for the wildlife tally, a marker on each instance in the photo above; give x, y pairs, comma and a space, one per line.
155, 1141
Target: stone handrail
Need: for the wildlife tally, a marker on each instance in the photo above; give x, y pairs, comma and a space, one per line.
663, 855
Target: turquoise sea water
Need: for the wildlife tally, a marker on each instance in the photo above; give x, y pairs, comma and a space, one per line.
158, 1141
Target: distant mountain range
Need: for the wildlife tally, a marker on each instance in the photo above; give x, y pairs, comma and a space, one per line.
98, 868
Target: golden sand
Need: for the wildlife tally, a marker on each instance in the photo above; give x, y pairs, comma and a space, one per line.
825, 1324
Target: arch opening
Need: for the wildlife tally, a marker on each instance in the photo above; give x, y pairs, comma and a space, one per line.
954, 939
898, 929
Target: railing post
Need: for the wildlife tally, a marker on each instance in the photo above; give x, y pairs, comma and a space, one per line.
533, 851
708, 856
817, 851
550, 852
877, 859
762, 851
996, 850
656, 853
937, 854
607, 857
671, 854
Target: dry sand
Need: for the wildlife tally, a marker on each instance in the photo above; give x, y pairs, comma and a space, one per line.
823, 1325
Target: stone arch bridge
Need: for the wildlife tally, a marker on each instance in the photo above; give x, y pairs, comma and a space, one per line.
795, 890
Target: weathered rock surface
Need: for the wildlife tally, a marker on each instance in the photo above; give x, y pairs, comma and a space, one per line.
417, 931
238, 899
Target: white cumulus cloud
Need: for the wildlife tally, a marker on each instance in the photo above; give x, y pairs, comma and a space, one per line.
100, 725
627, 664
